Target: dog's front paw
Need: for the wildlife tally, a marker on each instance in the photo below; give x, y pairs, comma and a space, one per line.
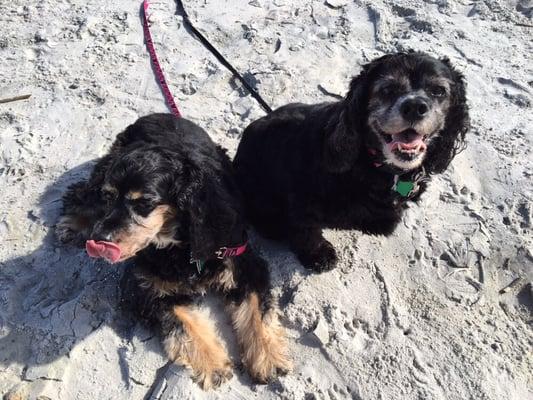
69, 229
269, 358
320, 259
266, 355
270, 369
212, 379
64, 231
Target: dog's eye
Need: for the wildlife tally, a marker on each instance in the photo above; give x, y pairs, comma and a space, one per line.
437, 91
141, 206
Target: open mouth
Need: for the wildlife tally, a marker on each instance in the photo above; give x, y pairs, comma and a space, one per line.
407, 144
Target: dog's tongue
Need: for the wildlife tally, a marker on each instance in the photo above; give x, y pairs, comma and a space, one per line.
407, 140
109, 251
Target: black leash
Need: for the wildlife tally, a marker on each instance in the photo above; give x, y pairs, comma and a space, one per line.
180, 10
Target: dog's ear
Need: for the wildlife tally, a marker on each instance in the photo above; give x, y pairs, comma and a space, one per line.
214, 213
344, 132
452, 138
343, 139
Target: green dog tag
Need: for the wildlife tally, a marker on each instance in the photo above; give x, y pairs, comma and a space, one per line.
404, 187
199, 265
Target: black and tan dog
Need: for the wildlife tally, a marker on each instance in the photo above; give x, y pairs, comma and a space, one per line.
352, 164
165, 194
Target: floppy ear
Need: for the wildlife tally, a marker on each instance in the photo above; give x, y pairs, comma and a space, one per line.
214, 214
345, 129
343, 138
452, 138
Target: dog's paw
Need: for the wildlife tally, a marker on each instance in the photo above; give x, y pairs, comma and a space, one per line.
212, 379
320, 259
268, 373
262, 339
69, 230
64, 231
268, 358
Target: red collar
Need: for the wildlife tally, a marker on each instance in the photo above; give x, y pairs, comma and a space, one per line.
225, 252
373, 153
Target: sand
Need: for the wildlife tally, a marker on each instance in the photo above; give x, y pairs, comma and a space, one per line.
424, 314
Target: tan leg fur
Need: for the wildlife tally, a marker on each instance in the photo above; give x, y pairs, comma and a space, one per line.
262, 340
198, 348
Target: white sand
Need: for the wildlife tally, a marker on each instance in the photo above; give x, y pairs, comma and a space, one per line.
418, 315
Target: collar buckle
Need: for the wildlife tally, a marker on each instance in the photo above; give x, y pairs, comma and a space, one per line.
225, 252
221, 253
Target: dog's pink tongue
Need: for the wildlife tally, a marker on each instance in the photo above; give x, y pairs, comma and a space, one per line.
108, 250
407, 140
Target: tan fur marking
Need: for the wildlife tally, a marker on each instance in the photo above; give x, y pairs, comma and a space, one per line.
167, 233
16, 396
262, 340
225, 280
199, 349
19, 392
160, 287
134, 195
144, 231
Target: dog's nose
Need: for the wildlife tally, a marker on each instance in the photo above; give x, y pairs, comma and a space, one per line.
414, 109
100, 234
101, 237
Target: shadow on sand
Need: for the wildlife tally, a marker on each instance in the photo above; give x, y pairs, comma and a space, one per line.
56, 296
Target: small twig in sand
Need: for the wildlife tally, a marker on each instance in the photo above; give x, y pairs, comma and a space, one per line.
481, 271
16, 98
525, 25
483, 230
328, 93
454, 271
477, 285
514, 283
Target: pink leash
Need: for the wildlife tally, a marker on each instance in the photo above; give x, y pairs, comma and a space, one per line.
223, 252
155, 62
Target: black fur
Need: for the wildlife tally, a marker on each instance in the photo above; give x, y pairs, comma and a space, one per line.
175, 163
303, 168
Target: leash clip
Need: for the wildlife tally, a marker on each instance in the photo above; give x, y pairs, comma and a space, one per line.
221, 253
199, 264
